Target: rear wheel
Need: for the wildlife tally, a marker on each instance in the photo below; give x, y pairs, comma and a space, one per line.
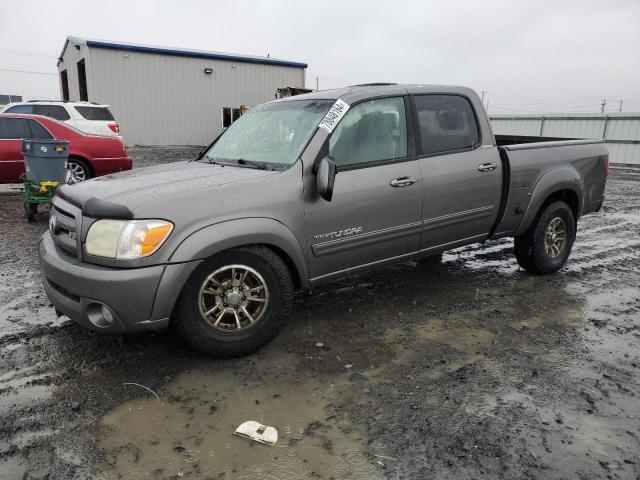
546, 246
78, 169
235, 302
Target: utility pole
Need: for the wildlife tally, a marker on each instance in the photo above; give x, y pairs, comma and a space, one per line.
483, 92
602, 105
488, 105
317, 83
620, 110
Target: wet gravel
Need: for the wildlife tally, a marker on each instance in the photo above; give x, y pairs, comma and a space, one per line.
469, 368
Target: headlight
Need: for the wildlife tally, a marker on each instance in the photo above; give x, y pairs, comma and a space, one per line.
123, 239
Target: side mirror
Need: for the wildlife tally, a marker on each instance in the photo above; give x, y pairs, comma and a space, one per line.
325, 177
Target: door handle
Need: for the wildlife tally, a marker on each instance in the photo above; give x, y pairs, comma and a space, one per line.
487, 167
402, 181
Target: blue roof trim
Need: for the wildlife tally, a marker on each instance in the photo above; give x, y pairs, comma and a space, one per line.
192, 54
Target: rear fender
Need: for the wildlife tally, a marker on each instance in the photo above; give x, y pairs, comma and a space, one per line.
216, 238
565, 178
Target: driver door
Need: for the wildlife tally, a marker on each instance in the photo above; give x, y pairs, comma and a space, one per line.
374, 216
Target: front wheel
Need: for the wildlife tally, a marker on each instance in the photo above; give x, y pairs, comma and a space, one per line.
235, 302
546, 246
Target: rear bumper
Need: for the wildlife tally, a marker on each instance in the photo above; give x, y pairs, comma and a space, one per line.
137, 299
105, 166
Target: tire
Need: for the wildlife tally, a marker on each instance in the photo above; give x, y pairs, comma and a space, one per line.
32, 210
538, 250
235, 335
79, 170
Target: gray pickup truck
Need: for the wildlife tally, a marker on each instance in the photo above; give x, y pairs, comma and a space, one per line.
302, 191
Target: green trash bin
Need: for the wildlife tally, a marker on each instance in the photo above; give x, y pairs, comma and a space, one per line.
45, 164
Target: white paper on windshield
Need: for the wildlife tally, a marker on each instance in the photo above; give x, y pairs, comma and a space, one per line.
334, 115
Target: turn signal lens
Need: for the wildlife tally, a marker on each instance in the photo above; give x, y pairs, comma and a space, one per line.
114, 127
142, 237
126, 240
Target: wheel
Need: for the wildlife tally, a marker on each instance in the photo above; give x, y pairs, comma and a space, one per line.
235, 302
79, 171
31, 209
546, 246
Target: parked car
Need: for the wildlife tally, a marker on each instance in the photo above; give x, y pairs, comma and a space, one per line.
89, 155
85, 116
301, 191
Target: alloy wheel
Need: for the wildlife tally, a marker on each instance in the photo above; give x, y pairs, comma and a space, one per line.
232, 298
555, 238
77, 172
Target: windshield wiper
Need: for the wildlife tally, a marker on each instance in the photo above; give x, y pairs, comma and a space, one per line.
258, 165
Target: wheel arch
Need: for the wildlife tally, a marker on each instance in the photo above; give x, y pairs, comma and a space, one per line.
267, 232
85, 161
564, 185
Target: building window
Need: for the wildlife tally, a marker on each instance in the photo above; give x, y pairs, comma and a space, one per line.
230, 115
64, 81
82, 81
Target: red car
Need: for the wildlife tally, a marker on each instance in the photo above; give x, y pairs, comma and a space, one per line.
89, 155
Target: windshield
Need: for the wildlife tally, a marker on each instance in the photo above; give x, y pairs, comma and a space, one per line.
273, 133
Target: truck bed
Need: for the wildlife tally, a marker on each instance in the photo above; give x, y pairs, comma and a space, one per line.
537, 167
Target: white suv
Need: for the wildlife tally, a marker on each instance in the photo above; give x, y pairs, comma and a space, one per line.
85, 116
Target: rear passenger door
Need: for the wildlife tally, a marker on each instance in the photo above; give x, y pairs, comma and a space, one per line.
374, 215
462, 178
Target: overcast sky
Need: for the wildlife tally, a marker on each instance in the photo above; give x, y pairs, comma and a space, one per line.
528, 55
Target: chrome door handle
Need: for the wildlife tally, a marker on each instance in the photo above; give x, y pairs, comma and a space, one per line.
402, 181
487, 167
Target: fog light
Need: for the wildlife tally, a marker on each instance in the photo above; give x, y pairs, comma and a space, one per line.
100, 315
107, 315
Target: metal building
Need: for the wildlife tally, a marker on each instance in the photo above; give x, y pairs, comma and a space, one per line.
170, 96
621, 131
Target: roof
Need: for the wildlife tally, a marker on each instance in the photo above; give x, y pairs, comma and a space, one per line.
356, 93
178, 52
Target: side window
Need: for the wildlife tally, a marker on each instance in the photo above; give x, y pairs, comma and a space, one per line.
54, 111
14, 128
20, 109
370, 132
446, 123
38, 131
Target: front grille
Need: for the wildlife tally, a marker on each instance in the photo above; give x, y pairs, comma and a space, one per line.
66, 225
63, 291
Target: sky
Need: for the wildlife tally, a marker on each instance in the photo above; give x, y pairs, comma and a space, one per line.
527, 56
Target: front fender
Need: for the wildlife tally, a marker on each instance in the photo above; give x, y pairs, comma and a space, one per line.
216, 238
566, 178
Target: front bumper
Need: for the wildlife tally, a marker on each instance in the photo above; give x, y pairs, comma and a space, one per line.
137, 298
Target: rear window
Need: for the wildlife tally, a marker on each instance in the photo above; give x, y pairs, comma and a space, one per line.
95, 113
54, 111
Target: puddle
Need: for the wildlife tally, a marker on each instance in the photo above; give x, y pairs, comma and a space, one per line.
189, 432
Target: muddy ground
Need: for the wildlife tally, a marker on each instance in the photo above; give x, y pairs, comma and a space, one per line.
470, 368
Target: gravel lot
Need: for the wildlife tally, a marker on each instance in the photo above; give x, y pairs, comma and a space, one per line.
470, 368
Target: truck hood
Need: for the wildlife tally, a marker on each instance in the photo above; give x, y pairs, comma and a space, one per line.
136, 187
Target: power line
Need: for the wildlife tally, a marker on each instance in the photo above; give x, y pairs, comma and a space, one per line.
27, 71
28, 53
